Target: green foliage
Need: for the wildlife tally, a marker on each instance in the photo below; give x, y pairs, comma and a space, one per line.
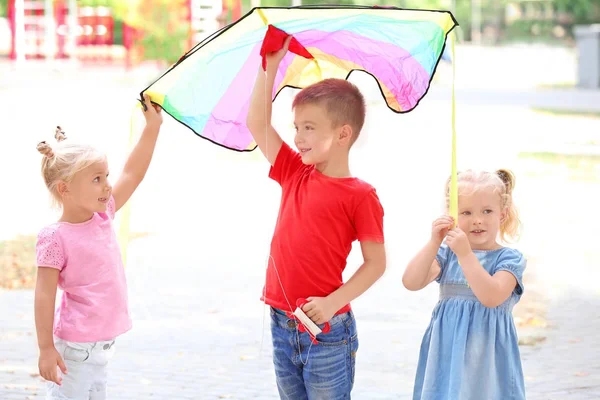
98, 3
3, 8
422, 4
335, 2
584, 11
165, 38
164, 33
524, 29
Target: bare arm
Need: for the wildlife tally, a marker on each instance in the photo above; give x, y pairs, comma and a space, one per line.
139, 160
490, 290
423, 268
259, 115
322, 309
44, 303
370, 271
260, 111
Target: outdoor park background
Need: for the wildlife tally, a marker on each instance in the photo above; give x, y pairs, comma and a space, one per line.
202, 219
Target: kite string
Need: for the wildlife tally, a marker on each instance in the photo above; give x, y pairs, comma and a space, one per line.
453, 207
125, 215
270, 258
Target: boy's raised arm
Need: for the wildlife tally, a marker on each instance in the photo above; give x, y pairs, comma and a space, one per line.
259, 113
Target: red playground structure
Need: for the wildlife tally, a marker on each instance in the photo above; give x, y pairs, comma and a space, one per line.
62, 29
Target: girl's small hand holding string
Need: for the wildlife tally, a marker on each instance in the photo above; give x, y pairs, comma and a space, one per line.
440, 228
49, 360
424, 267
319, 309
458, 242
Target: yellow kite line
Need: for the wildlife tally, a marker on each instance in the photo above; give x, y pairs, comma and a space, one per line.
453, 206
125, 217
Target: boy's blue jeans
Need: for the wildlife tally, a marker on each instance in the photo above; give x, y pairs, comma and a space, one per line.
306, 371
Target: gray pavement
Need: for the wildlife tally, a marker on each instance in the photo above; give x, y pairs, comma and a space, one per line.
198, 331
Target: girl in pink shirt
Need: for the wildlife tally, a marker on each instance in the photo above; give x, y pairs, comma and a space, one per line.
80, 254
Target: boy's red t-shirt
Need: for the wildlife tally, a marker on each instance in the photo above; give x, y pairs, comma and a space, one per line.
319, 218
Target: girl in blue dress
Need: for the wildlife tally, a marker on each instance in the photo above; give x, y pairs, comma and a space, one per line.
470, 349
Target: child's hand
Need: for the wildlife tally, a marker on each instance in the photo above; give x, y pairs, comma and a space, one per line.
153, 113
441, 227
274, 59
319, 309
49, 360
458, 242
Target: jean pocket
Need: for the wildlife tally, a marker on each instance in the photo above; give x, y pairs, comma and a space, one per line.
326, 341
74, 354
339, 335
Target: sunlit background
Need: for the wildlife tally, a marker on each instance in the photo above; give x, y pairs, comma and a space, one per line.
528, 99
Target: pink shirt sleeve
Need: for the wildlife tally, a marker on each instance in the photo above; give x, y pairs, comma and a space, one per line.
368, 219
110, 208
49, 250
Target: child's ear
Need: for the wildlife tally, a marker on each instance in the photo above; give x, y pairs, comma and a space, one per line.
345, 135
503, 215
62, 188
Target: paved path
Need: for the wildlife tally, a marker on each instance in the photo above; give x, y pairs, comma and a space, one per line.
567, 364
198, 331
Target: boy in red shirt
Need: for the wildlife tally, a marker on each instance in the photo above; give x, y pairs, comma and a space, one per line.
323, 210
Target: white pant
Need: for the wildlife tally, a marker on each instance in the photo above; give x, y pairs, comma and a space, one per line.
86, 370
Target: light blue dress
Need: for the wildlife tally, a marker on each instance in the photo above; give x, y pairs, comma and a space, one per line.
469, 351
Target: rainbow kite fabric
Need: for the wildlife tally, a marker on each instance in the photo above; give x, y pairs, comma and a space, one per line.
209, 88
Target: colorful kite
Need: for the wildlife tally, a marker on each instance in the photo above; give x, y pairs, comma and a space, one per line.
209, 88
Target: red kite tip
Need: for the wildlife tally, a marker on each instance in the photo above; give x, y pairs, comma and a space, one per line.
274, 40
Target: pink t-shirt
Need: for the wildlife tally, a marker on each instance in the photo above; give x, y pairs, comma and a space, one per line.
94, 302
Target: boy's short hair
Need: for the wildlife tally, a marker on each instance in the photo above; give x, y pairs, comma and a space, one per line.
343, 101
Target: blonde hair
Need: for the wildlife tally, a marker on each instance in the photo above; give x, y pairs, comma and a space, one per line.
503, 183
62, 162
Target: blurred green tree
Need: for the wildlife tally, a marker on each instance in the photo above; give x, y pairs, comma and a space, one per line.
583, 11
3, 8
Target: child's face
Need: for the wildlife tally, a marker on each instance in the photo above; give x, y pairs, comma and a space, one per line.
89, 190
315, 134
480, 214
